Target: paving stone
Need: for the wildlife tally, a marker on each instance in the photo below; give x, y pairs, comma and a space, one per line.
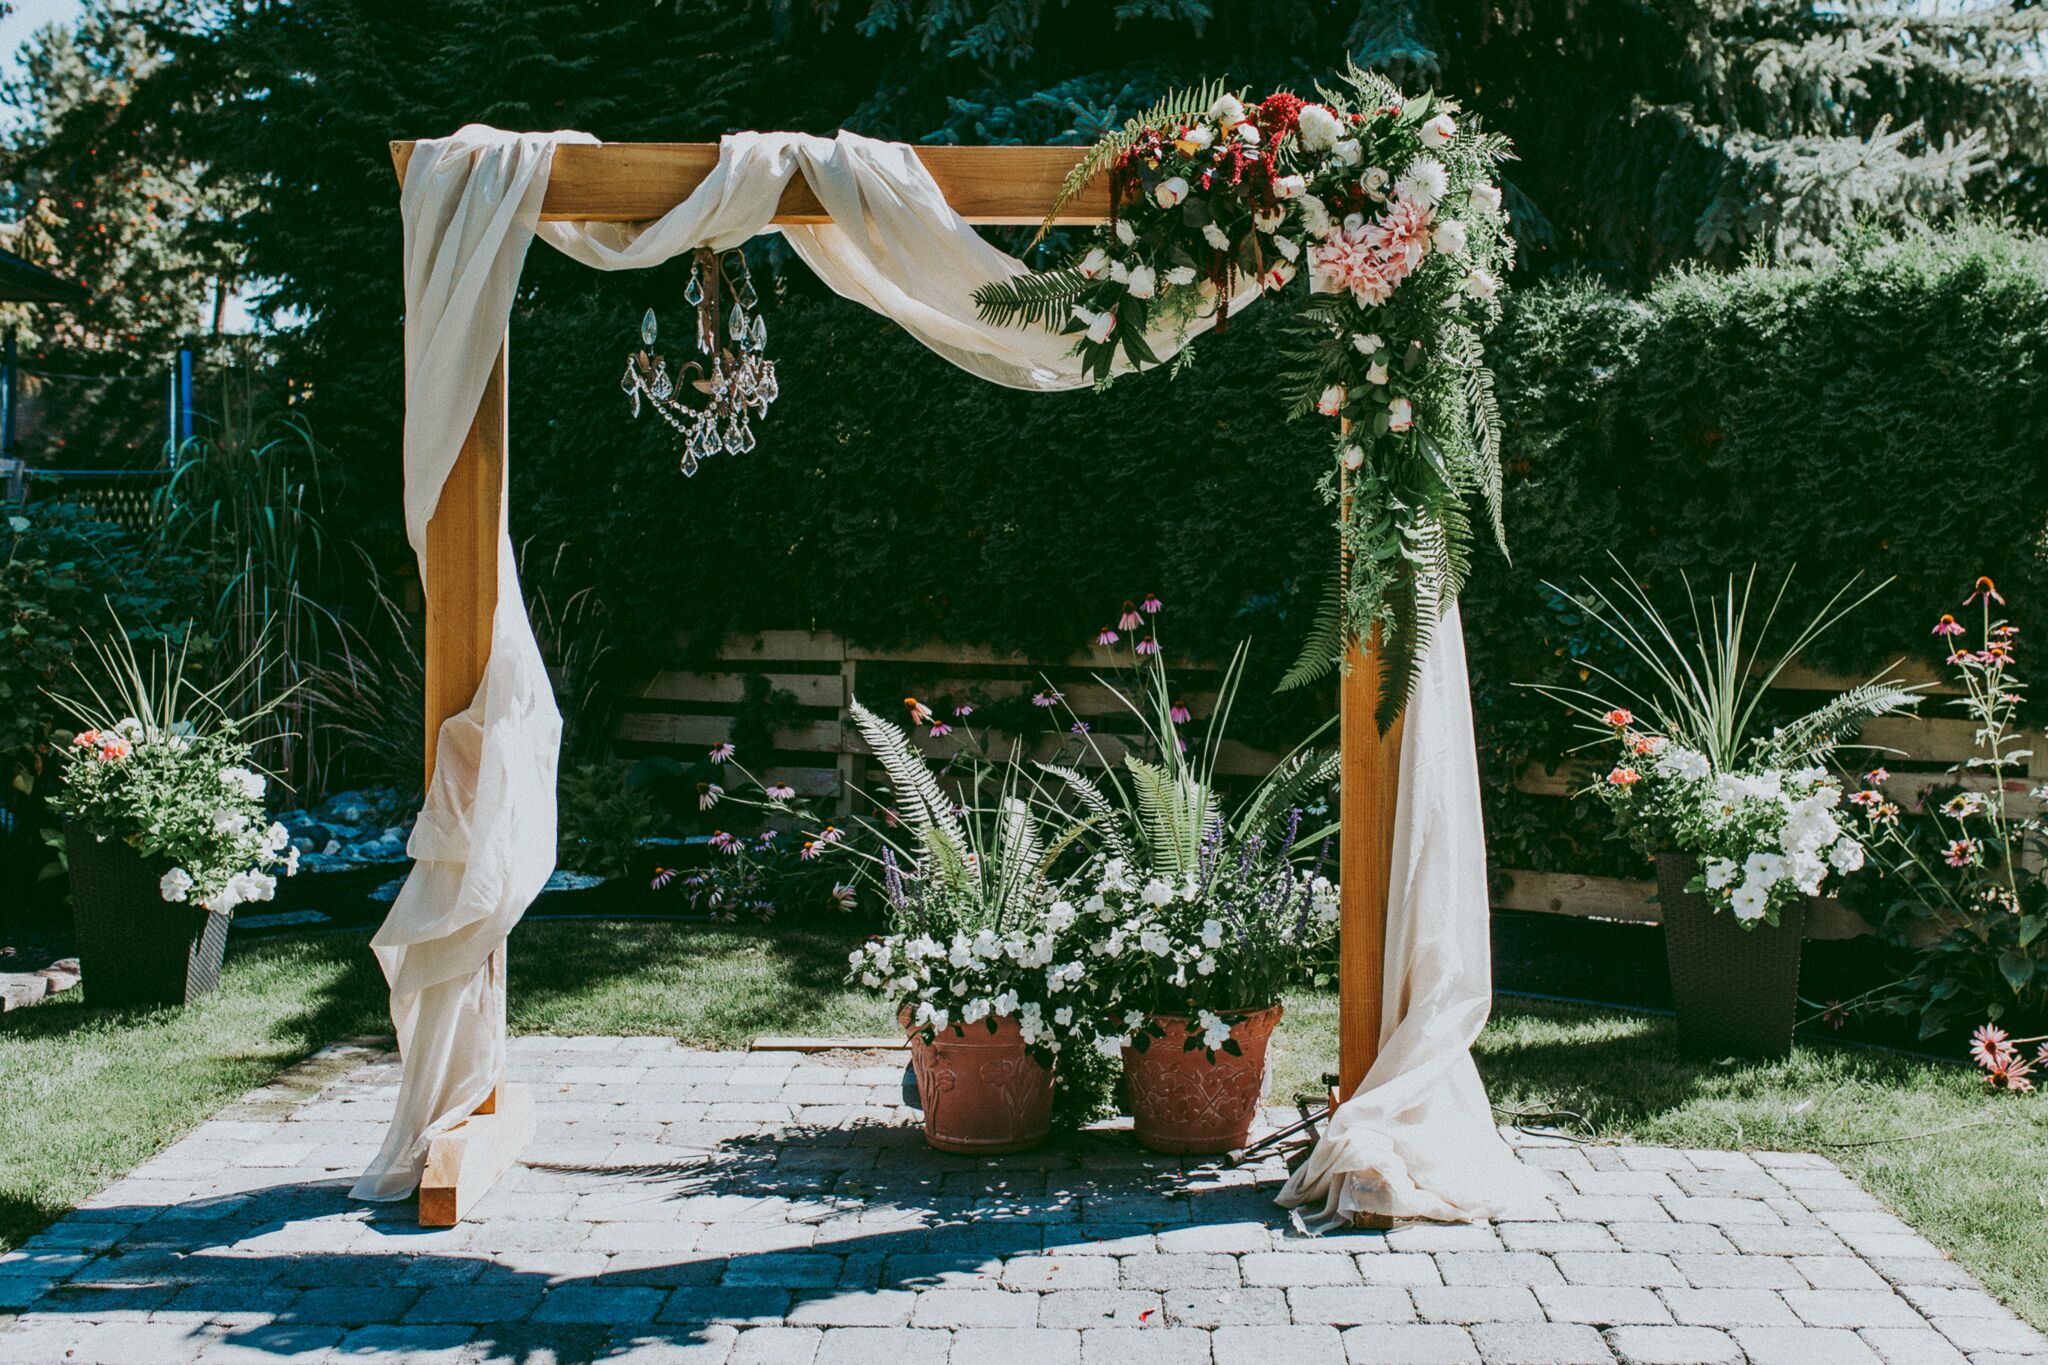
1230, 1308
271, 1344
1302, 1345
1225, 1238
1285, 1270
1954, 1303
1144, 1346
1639, 1269
758, 1307
1191, 1271
1674, 1346
1602, 1306
1804, 1346
1729, 1308
416, 1345
1497, 1268
353, 1306
1348, 1305
1060, 1272
1738, 1272
974, 1308
2007, 1334
1399, 1269
1540, 1343
776, 1346
1912, 1346
1667, 1237
475, 1303
1015, 1346
1557, 1237
1464, 1304
861, 1308
873, 1345
1852, 1308
1404, 1345
1839, 1272
1096, 1308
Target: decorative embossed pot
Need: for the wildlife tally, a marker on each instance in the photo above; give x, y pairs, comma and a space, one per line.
1182, 1101
981, 1090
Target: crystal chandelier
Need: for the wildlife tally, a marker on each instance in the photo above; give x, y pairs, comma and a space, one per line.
741, 377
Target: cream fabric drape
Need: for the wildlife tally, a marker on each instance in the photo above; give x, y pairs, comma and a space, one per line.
1418, 1140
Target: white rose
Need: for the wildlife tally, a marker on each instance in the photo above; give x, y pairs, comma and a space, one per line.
1354, 458
1196, 138
1377, 374
1215, 236
1247, 133
1277, 275
1095, 264
1097, 325
1125, 233
1374, 180
1331, 401
1486, 198
175, 885
1367, 342
1438, 130
1119, 272
1400, 415
1449, 237
1181, 275
1142, 283
1347, 152
1170, 192
1227, 110
1290, 187
1318, 128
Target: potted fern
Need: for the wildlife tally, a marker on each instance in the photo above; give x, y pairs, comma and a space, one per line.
1206, 912
165, 829
984, 956
1746, 826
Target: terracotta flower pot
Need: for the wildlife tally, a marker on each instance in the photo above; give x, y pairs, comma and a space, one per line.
134, 947
982, 1092
1182, 1101
1736, 990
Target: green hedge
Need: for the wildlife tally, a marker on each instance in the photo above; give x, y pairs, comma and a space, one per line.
1885, 414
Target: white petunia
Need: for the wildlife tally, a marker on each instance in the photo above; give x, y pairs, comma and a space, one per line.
1687, 764
1006, 1003
1764, 869
1749, 901
276, 837
242, 780
229, 821
175, 885
1846, 855
1720, 873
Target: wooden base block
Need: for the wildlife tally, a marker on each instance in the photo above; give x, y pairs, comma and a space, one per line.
467, 1160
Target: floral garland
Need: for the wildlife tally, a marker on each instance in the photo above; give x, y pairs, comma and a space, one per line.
1377, 215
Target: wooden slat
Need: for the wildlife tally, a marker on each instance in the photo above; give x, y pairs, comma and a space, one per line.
807, 689
1926, 739
780, 646
631, 182
1631, 901
464, 1162
802, 737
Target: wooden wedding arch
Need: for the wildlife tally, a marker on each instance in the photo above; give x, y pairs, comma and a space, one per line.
1006, 186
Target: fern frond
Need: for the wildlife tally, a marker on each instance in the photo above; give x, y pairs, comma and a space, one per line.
1035, 299
1289, 785
1324, 648
1019, 855
1402, 645
922, 803
1178, 106
1101, 810
1170, 815
1814, 735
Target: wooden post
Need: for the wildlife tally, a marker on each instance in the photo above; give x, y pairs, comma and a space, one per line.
463, 539
1370, 782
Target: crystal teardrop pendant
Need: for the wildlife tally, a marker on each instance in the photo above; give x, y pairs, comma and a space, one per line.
693, 292
746, 438
648, 330
760, 333
738, 325
663, 386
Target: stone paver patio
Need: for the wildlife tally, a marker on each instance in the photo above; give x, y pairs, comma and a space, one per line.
757, 1209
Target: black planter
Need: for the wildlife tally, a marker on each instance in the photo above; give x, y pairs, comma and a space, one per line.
1736, 990
135, 947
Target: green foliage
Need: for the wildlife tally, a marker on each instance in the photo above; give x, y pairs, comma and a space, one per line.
602, 817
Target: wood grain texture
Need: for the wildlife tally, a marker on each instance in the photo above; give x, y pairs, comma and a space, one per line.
1369, 797
464, 1162
632, 182
462, 563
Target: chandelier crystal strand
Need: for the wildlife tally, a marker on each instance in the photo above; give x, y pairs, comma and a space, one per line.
740, 378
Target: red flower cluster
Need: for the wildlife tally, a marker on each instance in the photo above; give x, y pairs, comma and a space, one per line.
1278, 115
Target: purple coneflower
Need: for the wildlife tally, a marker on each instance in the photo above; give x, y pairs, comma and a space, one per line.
1049, 697
1148, 646
1152, 604
721, 752
962, 712
919, 712
1948, 625
778, 791
1107, 636
940, 728
724, 842
1179, 713
842, 897
708, 795
1080, 727
1985, 591
1130, 620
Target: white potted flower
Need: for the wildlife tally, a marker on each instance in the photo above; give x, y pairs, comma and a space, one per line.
1746, 827
165, 833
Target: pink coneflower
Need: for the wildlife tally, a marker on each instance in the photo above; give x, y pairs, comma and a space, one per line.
2010, 1074
1884, 813
919, 712
940, 728
778, 791
1985, 591
1619, 717
1947, 625
1877, 775
962, 712
1107, 636
2005, 632
811, 849
721, 752
1148, 646
842, 897
1079, 727
1179, 713
662, 877
1960, 853
1990, 1045
709, 794
768, 837
1152, 605
1869, 796
1624, 777
1049, 697
830, 834
1130, 620
724, 842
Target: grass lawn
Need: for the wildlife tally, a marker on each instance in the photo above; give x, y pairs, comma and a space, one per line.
85, 1095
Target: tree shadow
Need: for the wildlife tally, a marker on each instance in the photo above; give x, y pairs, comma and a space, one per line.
823, 1226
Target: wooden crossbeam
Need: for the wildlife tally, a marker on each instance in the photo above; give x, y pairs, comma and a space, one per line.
632, 182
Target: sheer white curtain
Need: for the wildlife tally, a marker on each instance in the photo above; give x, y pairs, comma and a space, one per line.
1418, 1141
